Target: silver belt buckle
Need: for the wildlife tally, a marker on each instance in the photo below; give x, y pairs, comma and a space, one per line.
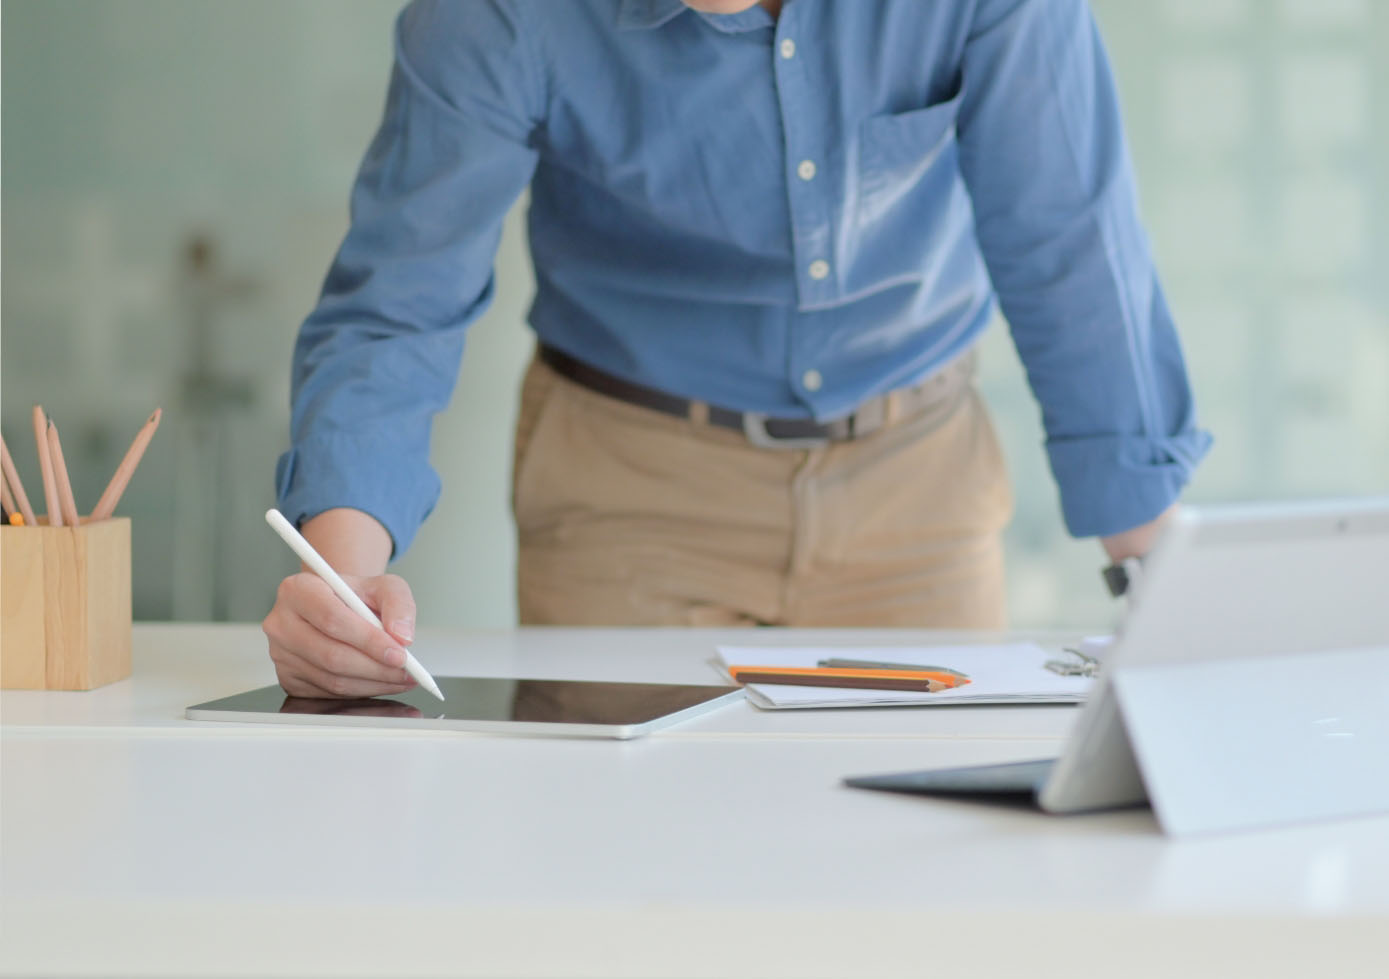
755, 428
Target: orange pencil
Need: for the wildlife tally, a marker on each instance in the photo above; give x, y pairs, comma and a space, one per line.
15, 486
50, 488
66, 504
112, 494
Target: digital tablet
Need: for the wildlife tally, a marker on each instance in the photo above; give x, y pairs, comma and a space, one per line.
581, 708
1246, 686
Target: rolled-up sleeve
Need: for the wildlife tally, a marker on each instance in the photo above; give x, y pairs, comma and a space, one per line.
1042, 152
378, 357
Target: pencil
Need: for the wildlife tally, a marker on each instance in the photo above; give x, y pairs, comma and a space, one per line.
66, 504
6, 500
297, 542
16, 488
873, 664
820, 680
50, 489
112, 494
920, 680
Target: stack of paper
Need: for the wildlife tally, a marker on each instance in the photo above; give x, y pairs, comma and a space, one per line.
1010, 673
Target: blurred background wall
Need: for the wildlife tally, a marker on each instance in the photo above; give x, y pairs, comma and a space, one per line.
175, 179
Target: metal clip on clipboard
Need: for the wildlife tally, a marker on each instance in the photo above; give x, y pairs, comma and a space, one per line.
1087, 657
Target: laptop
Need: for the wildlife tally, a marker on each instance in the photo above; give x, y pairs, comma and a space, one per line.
1248, 684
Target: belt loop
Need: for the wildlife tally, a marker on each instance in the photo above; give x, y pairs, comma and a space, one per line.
892, 409
699, 412
871, 416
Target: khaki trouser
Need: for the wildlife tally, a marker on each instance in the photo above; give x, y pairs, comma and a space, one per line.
627, 516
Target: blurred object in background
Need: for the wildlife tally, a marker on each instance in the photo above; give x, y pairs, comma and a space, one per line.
212, 402
134, 128
1260, 133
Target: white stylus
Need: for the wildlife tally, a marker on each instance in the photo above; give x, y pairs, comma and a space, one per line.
320, 567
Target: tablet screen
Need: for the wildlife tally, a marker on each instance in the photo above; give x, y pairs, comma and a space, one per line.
481, 700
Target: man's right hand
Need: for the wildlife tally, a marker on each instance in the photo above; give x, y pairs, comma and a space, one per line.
320, 647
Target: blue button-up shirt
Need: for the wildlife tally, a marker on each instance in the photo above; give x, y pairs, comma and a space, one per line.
787, 216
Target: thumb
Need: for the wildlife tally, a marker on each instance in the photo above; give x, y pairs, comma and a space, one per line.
390, 596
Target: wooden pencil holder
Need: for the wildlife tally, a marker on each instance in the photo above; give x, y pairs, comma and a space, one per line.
65, 605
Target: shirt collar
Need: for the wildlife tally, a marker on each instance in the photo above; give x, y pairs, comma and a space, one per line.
635, 15
648, 14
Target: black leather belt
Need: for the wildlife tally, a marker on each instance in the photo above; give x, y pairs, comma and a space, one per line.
778, 433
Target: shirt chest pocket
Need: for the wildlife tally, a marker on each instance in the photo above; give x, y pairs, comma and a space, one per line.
897, 151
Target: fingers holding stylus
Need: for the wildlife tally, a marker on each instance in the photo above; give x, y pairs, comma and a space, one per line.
300, 639
390, 596
320, 648
308, 664
311, 599
301, 677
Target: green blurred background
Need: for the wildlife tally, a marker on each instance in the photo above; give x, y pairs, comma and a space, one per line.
175, 179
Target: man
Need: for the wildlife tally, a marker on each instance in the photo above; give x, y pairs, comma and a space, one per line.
766, 238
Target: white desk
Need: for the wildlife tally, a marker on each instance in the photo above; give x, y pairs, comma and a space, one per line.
133, 842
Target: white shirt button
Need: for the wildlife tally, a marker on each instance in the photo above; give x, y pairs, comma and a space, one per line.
812, 380
806, 170
819, 269
788, 48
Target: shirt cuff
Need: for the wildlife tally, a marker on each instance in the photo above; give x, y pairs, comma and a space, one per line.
347, 471
1110, 484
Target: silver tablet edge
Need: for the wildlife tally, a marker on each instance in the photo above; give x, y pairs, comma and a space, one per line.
620, 732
